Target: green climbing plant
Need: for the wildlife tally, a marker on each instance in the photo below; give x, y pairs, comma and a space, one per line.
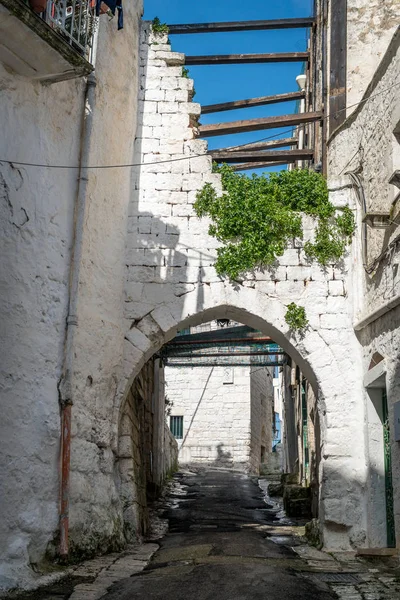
159, 28
296, 317
256, 218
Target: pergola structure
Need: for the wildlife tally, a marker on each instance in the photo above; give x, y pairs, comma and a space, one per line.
230, 347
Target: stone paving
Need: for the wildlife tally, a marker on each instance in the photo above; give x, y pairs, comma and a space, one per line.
109, 569
349, 576
362, 578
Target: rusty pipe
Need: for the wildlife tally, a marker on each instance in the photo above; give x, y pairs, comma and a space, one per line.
65, 476
65, 386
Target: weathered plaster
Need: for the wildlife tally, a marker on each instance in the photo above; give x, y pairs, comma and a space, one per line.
43, 124
370, 28
171, 283
366, 144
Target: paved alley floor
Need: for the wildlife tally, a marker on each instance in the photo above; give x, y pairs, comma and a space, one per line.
226, 540
219, 546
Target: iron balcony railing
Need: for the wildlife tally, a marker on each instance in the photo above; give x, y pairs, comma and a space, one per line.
75, 21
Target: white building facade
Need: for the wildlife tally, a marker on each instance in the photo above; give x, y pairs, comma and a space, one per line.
101, 267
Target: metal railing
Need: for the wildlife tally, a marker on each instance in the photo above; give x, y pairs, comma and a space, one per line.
75, 21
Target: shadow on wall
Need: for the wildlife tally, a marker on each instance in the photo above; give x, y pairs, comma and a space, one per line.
223, 458
158, 250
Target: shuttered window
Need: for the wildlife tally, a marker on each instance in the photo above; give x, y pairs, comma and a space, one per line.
176, 426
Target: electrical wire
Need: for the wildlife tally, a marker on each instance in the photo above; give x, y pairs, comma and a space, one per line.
171, 160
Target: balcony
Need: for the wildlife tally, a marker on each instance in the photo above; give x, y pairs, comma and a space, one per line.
55, 45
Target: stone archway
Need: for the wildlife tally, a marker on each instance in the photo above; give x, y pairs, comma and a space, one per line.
328, 366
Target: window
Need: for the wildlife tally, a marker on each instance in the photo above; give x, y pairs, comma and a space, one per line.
176, 427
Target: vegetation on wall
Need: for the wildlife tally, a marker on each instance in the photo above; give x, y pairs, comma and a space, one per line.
159, 28
256, 218
296, 317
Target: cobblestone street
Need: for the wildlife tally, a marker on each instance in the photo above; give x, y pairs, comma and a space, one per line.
226, 539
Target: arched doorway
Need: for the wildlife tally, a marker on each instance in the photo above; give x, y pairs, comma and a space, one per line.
328, 369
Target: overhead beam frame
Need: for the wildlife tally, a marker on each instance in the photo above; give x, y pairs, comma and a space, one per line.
228, 26
258, 124
250, 102
260, 156
236, 59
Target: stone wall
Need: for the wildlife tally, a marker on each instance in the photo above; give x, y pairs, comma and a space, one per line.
261, 416
370, 28
140, 480
215, 405
368, 144
42, 124
146, 271
171, 284
227, 414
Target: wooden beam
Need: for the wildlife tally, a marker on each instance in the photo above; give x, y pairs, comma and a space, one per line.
260, 156
241, 26
261, 101
236, 59
260, 145
246, 166
257, 124
338, 66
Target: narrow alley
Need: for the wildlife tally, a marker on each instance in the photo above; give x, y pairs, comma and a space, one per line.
199, 300
218, 546
221, 536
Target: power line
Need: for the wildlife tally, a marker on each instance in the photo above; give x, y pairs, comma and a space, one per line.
171, 160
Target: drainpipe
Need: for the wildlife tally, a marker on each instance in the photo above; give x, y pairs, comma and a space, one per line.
65, 384
301, 82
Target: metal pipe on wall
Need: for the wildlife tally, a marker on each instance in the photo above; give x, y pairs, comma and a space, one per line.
65, 384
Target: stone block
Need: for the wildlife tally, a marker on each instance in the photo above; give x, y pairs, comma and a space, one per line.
196, 147
175, 120
150, 120
334, 321
167, 108
192, 183
85, 456
164, 318
200, 164
162, 71
147, 108
336, 288
171, 58
298, 273
190, 108
176, 95
155, 95
134, 291
169, 83
297, 501
168, 181
146, 145
136, 337
172, 147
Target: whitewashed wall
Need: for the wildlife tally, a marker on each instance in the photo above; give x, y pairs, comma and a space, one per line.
171, 283
42, 124
225, 411
366, 144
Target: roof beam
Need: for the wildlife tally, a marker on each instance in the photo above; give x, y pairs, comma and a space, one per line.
235, 59
258, 124
260, 156
241, 26
261, 165
261, 101
281, 143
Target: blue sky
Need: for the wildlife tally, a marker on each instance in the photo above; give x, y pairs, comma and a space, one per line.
223, 83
